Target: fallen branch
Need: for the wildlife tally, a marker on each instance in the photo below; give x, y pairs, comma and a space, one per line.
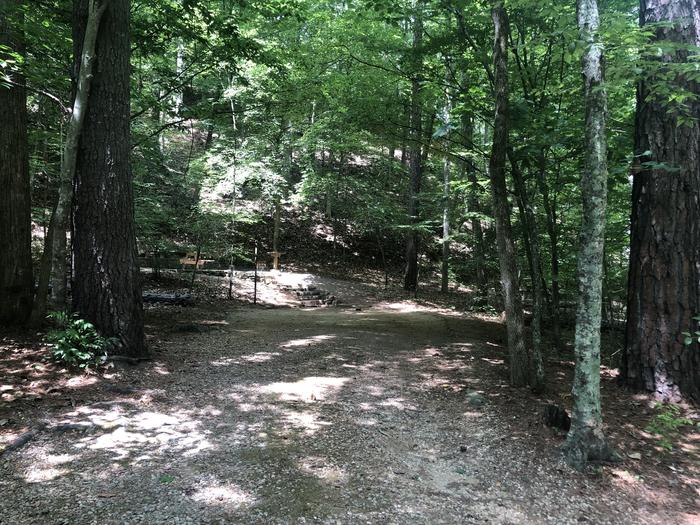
23, 439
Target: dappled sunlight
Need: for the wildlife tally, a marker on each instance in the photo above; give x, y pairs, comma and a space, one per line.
308, 389
322, 469
308, 341
399, 403
402, 307
39, 474
138, 435
160, 369
374, 390
224, 494
82, 380
306, 421
260, 357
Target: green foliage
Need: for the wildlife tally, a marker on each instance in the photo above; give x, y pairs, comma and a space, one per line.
666, 424
689, 338
75, 342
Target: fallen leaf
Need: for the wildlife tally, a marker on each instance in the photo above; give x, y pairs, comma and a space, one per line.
634, 455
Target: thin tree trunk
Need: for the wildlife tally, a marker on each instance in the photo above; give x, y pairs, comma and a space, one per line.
473, 206
196, 265
552, 232
383, 256
444, 281
415, 160
664, 273
585, 441
59, 258
276, 226
38, 315
107, 284
537, 377
518, 364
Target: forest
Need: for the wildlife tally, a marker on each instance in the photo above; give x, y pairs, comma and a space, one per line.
333, 261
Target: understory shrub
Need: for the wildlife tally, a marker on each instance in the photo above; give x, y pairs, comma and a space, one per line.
75, 342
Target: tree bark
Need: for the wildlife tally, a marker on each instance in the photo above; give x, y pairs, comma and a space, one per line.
585, 440
59, 260
532, 239
107, 284
664, 273
444, 278
415, 160
276, 224
553, 234
518, 362
16, 279
474, 206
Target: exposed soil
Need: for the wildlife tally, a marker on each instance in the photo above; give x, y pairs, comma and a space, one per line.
379, 410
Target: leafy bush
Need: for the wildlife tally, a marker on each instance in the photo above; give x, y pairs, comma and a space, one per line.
75, 342
666, 423
689, 338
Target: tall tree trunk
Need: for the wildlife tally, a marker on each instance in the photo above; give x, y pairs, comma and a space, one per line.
446, 167
585, 440
553, 234
16, 280
58, 253
518, 364
38, 315
276, 225
415, 160
444, 278
107, 284
473, 205
664, 274
531, 239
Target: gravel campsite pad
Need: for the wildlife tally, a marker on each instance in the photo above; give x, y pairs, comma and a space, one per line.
391, 413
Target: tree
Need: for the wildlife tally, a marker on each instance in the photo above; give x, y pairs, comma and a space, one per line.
106, 284
519, 369
415, 160
585, 440
664, 274
16, 281
54, 263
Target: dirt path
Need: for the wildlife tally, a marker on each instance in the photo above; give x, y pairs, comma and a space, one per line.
333, 415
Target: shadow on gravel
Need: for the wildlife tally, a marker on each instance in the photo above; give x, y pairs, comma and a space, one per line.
392, 415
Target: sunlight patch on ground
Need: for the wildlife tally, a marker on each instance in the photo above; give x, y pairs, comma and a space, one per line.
161, 370
226, 361
375, 391
402, 307
308, 341
60, 459
260, 357
308, 389
306, 421
320, 468
398, 402
142, 432
81, 381
223, 494
38, 474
